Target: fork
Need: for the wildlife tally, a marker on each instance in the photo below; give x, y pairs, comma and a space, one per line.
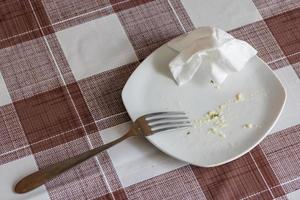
146, 125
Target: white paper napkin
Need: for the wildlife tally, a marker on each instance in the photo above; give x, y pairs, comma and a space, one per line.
210, 49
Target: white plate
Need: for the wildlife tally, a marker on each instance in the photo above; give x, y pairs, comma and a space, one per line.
151, 88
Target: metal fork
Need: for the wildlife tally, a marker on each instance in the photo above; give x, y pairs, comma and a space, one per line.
144, 126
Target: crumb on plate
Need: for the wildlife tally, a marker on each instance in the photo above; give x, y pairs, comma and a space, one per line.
221, 134
239, 97
213, 115
212, 130
249, 125
215, 85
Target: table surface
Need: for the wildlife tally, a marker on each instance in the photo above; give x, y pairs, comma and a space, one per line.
63, 65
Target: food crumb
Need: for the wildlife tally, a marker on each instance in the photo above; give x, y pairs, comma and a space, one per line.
248, 126
213, 114
215, 85
222, 107
239, 97
221, 134
212, 130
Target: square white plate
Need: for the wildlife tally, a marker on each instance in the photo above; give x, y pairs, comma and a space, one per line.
151, 89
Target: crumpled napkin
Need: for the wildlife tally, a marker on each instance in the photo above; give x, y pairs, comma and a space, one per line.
210, 49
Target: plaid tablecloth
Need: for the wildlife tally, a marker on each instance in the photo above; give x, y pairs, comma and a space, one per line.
63, 64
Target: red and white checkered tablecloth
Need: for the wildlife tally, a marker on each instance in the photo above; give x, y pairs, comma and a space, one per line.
63, 64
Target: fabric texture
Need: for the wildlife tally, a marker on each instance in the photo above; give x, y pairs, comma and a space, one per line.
52, 109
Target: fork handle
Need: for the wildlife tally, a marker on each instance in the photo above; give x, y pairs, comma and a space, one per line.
42, 176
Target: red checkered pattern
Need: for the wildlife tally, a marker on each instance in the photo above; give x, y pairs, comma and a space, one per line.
286, 30
106, 164
12, 135
261, 38
28, 69
53, 116
178, 184
284, 153
149, 25
269, 8
82, 182
102, 91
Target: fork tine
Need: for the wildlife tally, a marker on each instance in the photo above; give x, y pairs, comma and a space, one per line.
166, 118
170, 128
163, 113
157, 125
